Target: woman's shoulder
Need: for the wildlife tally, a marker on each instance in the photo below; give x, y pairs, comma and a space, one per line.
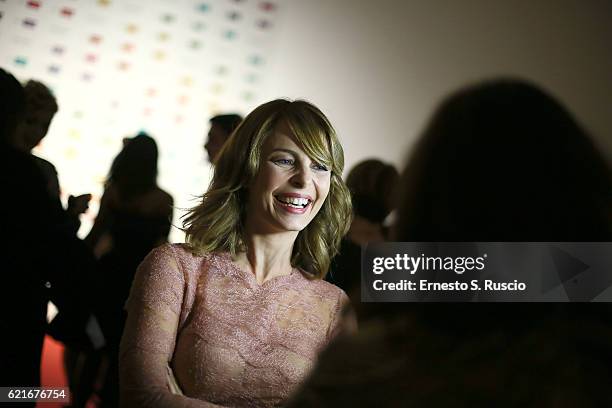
169, 249
322, 287
188, 260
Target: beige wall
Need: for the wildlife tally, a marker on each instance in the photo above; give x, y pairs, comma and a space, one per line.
377, 68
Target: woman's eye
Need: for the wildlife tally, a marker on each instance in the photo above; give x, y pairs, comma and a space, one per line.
283, 162
319, 167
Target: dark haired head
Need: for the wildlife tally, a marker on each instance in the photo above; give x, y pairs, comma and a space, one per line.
221, 128
134, 170
372, 184
227, 122
504, 161
40, 108
12, 106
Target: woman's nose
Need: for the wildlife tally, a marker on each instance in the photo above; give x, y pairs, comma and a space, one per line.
300, 177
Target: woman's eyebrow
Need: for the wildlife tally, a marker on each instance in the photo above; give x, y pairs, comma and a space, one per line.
285, 150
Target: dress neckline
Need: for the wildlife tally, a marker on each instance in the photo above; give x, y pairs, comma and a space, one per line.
251, 277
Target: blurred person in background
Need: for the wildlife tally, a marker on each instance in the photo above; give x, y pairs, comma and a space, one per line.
221, 128
41, 107
373, 186
41, 260
23, 293
135, 216
499, 161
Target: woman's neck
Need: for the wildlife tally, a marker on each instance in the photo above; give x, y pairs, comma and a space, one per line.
268, 256
363, 231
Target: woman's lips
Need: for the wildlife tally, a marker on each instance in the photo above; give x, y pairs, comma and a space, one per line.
290, 208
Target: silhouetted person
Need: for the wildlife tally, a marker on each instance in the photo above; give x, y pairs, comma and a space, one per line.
40, 108
24, 296
373, 185
134, 217
221, 128
41, 262
499, 161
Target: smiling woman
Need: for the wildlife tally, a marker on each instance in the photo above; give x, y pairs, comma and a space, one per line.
237, 316
292, 136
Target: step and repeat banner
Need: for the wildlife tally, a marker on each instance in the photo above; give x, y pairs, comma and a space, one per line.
121, 66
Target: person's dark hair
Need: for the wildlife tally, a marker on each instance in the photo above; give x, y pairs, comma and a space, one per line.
134, 170
504, 161
228, 122
39, 97
372, 184
12, 107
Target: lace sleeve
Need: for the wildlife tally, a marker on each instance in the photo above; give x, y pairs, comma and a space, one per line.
147, 346
344, 321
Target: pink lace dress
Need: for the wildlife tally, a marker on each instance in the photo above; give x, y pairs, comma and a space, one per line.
228, 340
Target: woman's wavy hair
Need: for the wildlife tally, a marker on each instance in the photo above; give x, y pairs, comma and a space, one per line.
217, 223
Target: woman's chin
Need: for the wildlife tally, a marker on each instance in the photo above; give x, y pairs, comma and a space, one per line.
293, 227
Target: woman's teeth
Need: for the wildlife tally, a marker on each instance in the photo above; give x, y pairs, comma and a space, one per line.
295, 202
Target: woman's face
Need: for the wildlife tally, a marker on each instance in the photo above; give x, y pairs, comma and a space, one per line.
289, 189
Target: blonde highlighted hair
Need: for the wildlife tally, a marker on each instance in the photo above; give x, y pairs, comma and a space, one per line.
217, 223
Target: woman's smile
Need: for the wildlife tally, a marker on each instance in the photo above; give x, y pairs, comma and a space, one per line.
293, 203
